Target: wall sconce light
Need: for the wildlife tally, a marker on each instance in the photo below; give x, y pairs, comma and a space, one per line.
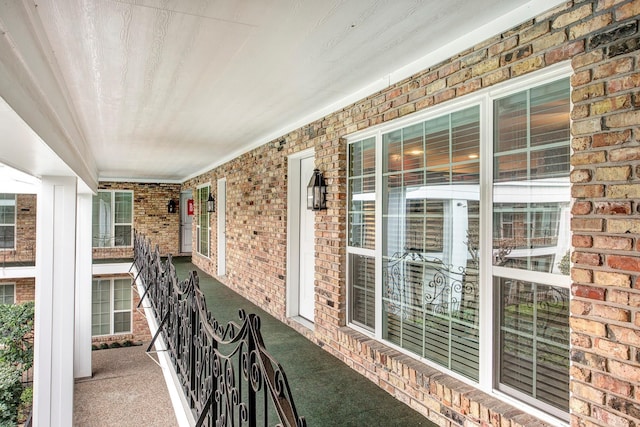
211, 203
171, 206
317, 192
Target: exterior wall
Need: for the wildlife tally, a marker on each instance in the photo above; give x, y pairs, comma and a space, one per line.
150, 217
601, 40
25, 251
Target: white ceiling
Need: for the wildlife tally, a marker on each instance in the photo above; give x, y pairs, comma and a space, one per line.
162, 90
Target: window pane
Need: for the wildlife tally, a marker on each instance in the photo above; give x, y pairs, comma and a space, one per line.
7, 236
121, 322
102, 220
100, 307
7, 294
362, 285
511, 123
531, 184
362, 187
121, 294
534, 340
7, 209
7, 221
123, 207
122, 235
550, 111
430, 243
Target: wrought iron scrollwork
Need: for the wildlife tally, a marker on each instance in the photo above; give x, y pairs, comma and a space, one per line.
227, 375
414, 279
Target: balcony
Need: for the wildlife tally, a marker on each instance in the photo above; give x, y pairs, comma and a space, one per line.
128, 388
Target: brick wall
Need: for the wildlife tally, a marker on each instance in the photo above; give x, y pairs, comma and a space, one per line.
605, 315
601, 40
25, 251
150, 217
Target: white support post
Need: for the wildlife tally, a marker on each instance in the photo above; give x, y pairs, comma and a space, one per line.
82, 368
55, 302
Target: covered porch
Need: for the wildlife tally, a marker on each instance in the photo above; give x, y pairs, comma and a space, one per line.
326, 391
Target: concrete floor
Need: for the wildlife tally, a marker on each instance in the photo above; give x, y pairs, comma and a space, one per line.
127, 389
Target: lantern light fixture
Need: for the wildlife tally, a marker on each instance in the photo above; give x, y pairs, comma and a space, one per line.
171, 206
317, 192
211, 203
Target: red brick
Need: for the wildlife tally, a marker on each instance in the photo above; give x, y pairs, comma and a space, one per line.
582, 241
588, 292
623, 370
611, 313
612, 208
624, 154
625, 263
586, 224
581, 208
623, 83
629, 10
612, 243
610, 138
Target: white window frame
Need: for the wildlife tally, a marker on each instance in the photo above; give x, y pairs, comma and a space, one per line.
112, 242
488, 319
13, 285
15, 221
199, 207
112, 310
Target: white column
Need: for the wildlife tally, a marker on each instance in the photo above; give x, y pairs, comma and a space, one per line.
82, 368
55, 302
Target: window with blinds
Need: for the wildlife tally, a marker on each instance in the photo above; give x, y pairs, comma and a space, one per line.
430, 239
531, 233
416, 285
361, 229
362, 191
7, 221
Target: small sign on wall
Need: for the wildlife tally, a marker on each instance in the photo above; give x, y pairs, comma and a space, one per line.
190, 207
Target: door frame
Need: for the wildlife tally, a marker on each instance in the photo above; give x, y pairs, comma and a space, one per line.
294, 188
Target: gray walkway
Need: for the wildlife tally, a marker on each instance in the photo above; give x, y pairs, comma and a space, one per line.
127, 389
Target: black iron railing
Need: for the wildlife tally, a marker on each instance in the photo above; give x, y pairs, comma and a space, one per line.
227, 376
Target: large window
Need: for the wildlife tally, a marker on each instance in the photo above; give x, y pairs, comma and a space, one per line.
531, 232
7, 221
7, 293
203, 226
112, 219
430, 239
422, 195
362, 167
111, 307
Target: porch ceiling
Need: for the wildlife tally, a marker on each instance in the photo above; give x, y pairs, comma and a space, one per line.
165, 89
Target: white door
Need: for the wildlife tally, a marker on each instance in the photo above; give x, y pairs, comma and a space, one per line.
306, 292
186, 232
221, 209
